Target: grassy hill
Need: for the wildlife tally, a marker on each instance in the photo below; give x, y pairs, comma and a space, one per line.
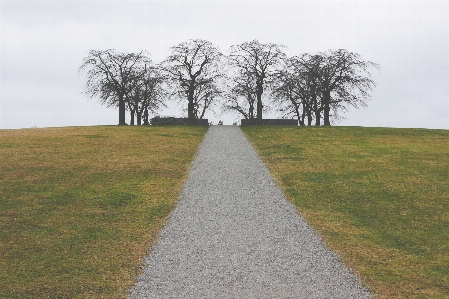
378, 196
80, 206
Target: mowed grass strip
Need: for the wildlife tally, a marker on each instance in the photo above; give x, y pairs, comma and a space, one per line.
378, 196
80, 206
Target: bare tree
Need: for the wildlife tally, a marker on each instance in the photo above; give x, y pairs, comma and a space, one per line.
191, 67
146, 93
259, 62
295, 91
312, 85
205, 97
109, 75
132, 97
241, 96
343, 79
287, 87
154, 92
306, 71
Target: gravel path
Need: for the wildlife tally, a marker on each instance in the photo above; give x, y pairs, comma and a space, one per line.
234, 235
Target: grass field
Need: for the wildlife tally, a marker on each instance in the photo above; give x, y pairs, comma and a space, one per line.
80, 206
378, 196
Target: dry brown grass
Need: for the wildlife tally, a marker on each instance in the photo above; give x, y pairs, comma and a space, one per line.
379, 197
80, 206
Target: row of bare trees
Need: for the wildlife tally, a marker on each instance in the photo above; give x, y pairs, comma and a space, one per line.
312, 86
125, 80
308, 87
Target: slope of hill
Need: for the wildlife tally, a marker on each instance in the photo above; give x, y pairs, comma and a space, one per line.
378, 196
80, 206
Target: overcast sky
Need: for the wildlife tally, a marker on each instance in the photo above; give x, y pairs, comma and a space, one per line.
43, 44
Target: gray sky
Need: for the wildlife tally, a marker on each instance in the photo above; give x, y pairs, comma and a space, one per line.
43, 43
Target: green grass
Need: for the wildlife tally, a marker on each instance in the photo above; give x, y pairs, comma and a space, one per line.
81, 206
378, 196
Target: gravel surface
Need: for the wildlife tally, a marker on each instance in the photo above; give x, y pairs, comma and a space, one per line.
234, 235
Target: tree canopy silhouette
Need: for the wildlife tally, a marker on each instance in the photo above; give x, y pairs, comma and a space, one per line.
312, 85
109, 76
146, 93
257, 62
241, 94
193, 70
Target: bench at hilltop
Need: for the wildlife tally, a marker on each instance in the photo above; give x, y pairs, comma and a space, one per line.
270, 122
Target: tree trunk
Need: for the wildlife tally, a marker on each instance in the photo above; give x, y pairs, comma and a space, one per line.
299, 115
204, 111
251, 111
309, 118
309, 113
133, 112
327, 99
317, 118
259, 93
191, 105
145, 117
259, 108
121, 110
191, 112
139, 118
303, 120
